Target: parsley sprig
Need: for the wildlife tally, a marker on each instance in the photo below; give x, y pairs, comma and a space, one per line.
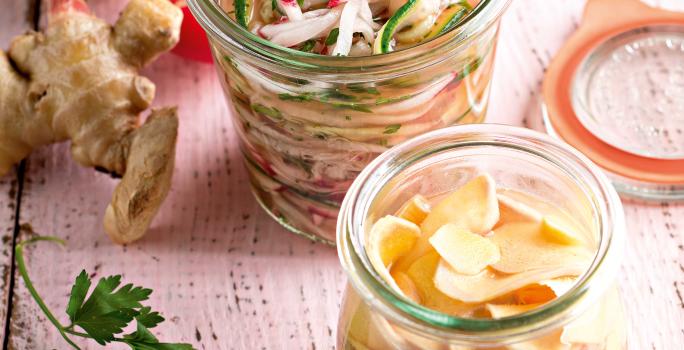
104, 313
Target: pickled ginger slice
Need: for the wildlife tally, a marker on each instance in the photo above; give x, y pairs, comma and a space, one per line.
490, 284
415, 210
523, 247
466, 252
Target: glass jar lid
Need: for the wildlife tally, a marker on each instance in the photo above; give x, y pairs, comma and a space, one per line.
615, 91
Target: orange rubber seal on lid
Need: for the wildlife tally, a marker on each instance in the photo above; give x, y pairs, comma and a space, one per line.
602, 20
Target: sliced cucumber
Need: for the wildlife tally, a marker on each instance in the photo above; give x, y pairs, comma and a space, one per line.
243, 11
417, 32
449, 18
386, 33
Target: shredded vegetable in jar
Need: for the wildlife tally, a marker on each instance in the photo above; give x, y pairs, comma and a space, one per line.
309, 122
348, 27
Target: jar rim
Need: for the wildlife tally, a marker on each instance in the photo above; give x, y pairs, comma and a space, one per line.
218, 25
365, 280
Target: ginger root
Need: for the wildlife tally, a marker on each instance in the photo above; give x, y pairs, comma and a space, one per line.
78, 81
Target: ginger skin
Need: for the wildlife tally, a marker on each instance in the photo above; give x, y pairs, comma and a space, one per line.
78, 81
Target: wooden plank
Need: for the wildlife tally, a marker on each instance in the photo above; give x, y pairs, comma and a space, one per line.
652, 278
15, 18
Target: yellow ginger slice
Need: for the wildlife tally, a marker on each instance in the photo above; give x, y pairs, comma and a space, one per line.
415, 210
421, 273
406, 285
544, 291
473, 207
392, 237
490, 284
560, 285
534, 294
523, 247
547, 342
466, 252
553, 230
511, 210
389, 238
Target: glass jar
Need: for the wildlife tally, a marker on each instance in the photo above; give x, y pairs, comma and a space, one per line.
308, 124
374, 316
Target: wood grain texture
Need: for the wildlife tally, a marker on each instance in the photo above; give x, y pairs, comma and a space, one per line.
228, 277
15, 18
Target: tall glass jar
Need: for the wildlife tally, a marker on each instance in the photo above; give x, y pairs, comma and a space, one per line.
308, 124
588, 316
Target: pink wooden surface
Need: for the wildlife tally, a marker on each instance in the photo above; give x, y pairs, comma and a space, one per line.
225, 275
16, 18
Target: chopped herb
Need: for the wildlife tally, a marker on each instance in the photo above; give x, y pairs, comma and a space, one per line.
347, 117
300, 3
307, 46
383, 142
352, 106
269, 112
298, 98
332, 37
391, 129
385, 100
336, 94
274, 5
364, 90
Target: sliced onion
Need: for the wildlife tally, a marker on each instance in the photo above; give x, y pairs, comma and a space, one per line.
347, 19
292, 33
291, 9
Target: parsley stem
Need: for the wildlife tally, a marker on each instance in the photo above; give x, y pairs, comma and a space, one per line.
72, 332
21, 265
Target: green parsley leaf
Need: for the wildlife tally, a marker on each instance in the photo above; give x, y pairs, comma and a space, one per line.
149, 318
78, 294
143, 339
391, 129
105, 313
108, 310
332, 36
300, 3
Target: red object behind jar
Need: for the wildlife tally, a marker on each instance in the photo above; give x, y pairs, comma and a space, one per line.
193, 42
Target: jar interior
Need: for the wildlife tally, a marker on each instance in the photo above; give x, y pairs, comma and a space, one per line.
525, 175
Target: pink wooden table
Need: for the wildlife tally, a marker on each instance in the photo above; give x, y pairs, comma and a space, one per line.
228, 277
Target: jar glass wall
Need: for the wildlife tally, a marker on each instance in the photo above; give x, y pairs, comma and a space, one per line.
308, 124
588, 316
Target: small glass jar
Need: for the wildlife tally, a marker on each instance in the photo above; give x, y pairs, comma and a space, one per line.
308, 124
374, 316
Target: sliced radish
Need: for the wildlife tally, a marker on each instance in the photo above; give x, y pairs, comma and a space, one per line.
346, 34
291, 9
